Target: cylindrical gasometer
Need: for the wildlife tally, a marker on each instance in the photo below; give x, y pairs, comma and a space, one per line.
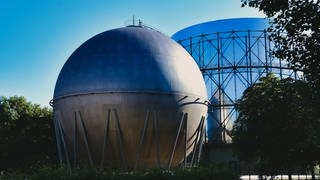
130, 98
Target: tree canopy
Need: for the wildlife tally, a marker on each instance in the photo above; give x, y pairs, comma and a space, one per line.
275, 127
26, 133
295, 30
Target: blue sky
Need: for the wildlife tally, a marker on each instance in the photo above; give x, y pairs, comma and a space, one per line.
38, 36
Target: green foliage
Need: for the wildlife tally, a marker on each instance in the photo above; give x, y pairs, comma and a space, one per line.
26, 133
278, 127
295, 30
201, 173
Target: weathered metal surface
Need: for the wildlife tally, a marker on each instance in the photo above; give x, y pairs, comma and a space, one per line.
130, 98
130, 59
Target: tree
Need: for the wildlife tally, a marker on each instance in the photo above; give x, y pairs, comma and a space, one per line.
274, 128
26, 133
295, 30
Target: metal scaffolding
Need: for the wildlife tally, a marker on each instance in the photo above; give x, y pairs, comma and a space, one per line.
230, 62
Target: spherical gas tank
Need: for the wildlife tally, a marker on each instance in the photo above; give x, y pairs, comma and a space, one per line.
129, 98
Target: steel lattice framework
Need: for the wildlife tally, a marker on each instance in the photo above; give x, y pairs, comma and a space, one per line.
230, 62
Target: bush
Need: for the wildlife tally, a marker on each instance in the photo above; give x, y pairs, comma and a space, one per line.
26, 134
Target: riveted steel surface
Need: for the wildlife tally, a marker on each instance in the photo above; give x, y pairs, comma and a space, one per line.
131, 98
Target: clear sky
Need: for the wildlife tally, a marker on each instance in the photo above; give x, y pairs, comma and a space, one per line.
38, 36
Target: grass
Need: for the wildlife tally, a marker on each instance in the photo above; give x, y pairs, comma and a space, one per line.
212, 172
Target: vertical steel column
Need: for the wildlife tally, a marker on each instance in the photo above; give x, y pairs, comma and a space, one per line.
250, 59
58, 139
266, 51
185, 139
66, 153
120, 139
219, 82
156, 136
105, 138
197, 142
269, 52
143, 133
85, 139
202, 132
199, 53
75, 139
191, 50
181, 121
247, 61
202, 50
234, 69
280, 66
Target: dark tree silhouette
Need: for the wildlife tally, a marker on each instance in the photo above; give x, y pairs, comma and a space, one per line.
295, 31
26, 134
275, 129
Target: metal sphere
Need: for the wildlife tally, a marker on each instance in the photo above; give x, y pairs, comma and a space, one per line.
130, 98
